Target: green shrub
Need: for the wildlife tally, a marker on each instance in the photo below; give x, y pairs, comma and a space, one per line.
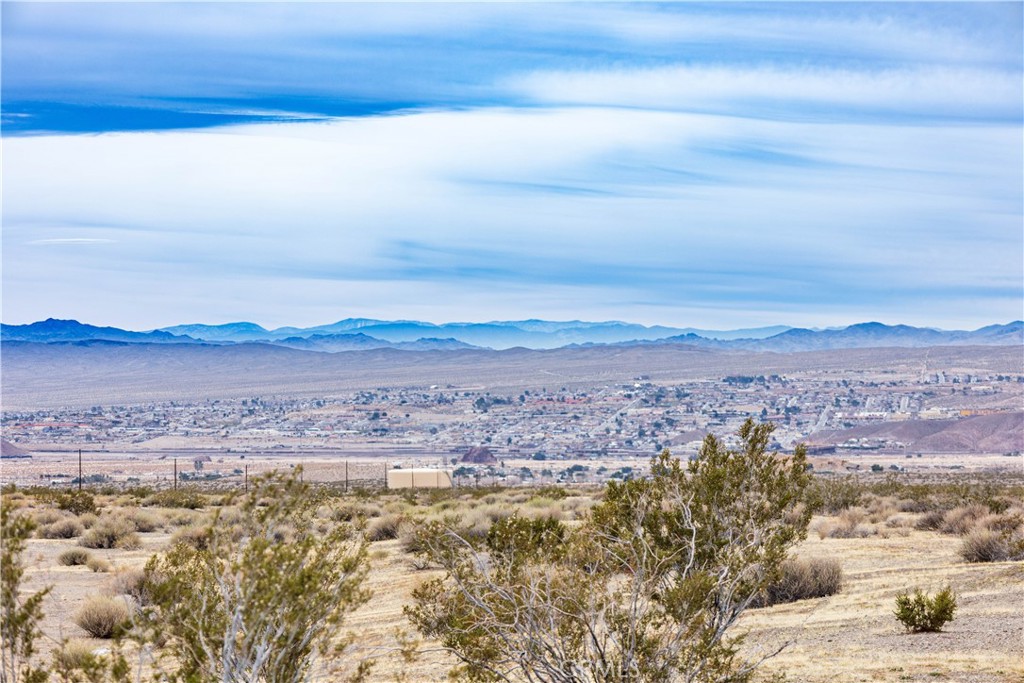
832, 495
921, 612
187, 498
285, 601
647, 588
78, 502
22, 614
73, 557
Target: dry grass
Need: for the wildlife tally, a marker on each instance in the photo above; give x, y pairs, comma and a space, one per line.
803, 579
111, 531
985, 545
74, 655
98, 565
64, 528
961, 520
130, 582
74, 557
103, 617
847, 636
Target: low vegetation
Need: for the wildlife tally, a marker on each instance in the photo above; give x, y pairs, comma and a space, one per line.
921, 612
801, 579
514, 583
103, 617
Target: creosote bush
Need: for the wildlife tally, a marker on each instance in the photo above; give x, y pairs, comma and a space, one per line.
646, 589
920, 612
20, 614
77, 502
103, 617
187, 498
253, 604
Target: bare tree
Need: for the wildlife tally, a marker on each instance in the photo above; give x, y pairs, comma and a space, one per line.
646, 590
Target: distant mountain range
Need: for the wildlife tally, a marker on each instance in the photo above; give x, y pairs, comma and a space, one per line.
356, 334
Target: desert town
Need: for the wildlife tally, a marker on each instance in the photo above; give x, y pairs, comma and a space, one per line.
552, 434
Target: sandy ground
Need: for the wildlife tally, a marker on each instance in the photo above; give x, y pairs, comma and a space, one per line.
851, 636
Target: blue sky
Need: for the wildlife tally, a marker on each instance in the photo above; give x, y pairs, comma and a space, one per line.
714, 165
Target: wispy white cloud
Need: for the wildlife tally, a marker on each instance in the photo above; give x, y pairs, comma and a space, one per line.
803, 92
70, 241
714, 165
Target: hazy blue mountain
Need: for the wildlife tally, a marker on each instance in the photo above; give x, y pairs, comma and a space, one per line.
499, 334
51, 330
366, 334
227, 332
866, 335
332, 343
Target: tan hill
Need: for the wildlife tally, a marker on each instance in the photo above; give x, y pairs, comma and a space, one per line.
998, 433
9, 450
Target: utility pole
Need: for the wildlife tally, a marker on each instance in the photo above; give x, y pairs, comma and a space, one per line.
247, 478
346, 476
175, 474
79, 469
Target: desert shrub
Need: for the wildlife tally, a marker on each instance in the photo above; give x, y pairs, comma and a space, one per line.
550, 492
851, 524
197, 536
145, 522
74, 557
985, 545
46, 516
182, 517
961, 520
384, 528
112, 531
88, 519
921, 612
98, 565
1008, 522
20, 614
832, 495
77, 502
647, 588
73, 655
186, 498
881, 509
130, 582
899, 522
930, 521
65, 528
103, 617
76, 661
254, 609
801, 579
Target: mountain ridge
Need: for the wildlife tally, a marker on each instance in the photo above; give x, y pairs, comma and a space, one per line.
353, 334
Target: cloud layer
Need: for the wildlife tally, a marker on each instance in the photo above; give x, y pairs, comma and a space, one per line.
680, 164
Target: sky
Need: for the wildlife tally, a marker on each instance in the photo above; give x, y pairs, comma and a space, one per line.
716, 165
